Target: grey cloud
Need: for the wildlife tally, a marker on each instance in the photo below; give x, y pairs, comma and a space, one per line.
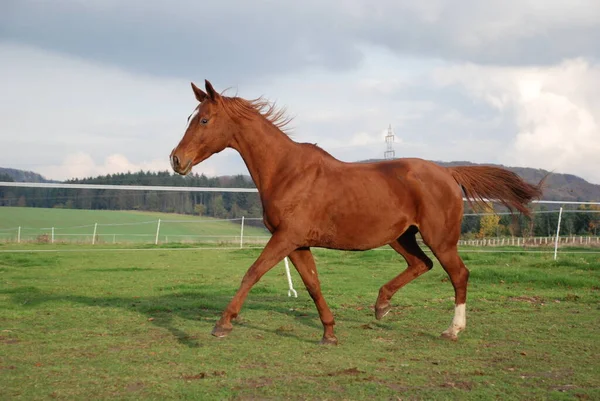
184, 39
233, 40
509, 32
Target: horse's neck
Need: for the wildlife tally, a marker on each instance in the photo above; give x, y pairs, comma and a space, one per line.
264, 148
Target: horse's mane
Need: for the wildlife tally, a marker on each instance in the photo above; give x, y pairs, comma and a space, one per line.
248, 109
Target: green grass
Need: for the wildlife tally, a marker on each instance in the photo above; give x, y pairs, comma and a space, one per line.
118, 226
136, 325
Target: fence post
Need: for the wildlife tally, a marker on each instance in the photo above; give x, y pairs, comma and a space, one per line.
19, 235
557, 233
94, 236
289, 278
53, 235
242, 234
157, 231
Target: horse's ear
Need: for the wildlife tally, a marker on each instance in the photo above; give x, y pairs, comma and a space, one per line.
212, 93
200, 95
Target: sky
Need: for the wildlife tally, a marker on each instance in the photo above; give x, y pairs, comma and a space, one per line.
103, 86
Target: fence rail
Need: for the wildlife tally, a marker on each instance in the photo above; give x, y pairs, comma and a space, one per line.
90, 233
155, 233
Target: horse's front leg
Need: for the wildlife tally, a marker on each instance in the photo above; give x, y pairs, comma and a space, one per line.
278, 247
305, 264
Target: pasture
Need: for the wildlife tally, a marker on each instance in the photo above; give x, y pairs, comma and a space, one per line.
135, 324
77, 225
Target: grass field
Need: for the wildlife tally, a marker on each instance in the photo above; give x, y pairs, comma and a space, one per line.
73, 225
126, 324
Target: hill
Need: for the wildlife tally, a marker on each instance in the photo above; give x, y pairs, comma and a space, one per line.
22, 176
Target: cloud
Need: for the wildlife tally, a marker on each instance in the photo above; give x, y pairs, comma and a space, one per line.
232, 40
59, 115
556, 111
82, 165
500, 82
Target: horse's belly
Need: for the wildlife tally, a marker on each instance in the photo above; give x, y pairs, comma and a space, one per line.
358, 235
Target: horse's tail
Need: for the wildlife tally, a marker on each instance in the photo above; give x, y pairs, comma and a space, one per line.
481, 183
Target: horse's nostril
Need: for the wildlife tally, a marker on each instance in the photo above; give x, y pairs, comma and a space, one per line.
175, 161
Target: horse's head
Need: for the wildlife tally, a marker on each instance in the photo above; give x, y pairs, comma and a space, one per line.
209, 130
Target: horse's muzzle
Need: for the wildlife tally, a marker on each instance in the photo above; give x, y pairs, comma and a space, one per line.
176, 164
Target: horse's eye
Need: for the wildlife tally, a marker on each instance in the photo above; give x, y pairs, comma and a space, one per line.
204, 121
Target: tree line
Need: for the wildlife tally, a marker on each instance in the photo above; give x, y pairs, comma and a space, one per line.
214, 204
227, 205
583, 220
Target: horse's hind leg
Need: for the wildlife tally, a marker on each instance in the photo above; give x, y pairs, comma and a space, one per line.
305, 264
459, 275
418, 263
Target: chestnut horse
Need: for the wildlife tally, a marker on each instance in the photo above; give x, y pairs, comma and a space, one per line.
310, 199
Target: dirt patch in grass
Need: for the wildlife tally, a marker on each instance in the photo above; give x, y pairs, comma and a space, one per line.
204, 375
530, 299
458, 385
133, 387
256, 383
346, 372
8, 340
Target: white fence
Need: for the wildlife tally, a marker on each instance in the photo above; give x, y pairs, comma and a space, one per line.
230, 231
573, 240
153, 231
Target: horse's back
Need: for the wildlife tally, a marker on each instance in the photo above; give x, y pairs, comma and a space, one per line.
412, 174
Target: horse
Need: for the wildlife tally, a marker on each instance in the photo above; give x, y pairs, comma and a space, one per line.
312, 200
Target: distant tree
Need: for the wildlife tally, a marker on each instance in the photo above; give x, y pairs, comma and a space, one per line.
6, 178
199, 209
218, 208
593, 220
488, 223
470, 226
3, 191
237, 211
152, 202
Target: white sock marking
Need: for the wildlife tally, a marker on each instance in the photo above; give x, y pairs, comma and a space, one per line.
460, 317
459, 322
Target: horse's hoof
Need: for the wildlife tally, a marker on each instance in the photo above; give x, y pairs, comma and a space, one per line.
449, 336
329, 341
381, 312
219, 331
